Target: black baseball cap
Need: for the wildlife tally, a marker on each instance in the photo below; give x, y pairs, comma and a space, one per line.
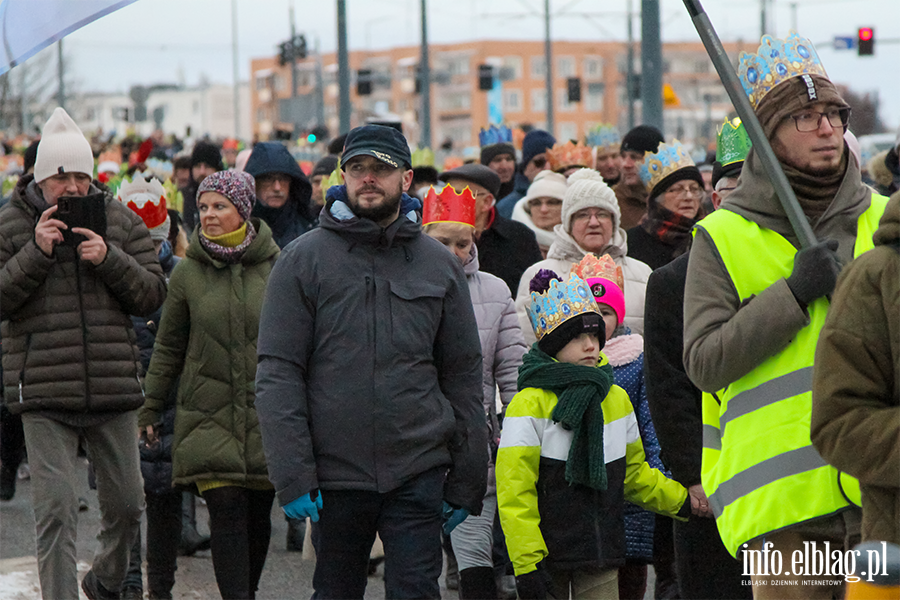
384, 143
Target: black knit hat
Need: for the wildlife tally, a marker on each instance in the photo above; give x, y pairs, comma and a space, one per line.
207, 154
492, 151
557, 339
477, 174
730, 170
325, 165
641, 139
30, 155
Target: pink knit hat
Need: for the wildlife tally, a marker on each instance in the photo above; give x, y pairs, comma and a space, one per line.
607, 292
604, 278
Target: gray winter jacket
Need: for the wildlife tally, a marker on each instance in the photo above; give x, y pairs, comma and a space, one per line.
502, 346
369, 363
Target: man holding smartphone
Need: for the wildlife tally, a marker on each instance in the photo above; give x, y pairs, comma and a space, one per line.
69, 356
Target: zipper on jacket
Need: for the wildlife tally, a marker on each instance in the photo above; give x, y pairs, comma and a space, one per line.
84, 337
22, 372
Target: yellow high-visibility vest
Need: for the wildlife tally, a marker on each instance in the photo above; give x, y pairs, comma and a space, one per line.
760, 469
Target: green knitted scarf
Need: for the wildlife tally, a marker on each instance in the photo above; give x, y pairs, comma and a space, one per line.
580, 391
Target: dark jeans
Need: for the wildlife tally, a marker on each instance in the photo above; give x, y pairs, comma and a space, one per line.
239, 529
705, 568
664, 560
163, 536
12, 439
408, 520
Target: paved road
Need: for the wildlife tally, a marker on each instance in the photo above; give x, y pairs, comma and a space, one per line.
286, 574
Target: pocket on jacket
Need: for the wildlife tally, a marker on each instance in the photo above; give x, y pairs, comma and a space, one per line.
415, 315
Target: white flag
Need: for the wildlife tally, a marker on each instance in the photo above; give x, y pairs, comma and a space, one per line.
29, 26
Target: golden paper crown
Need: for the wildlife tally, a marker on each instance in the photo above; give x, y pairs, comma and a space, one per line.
605, 267
776, 61
563, 156
659, 165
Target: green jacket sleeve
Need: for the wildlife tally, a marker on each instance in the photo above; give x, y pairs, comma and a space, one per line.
517, 474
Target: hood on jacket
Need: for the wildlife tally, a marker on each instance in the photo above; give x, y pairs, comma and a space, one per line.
338, 217
888, 231
273, 157
544, 238
471, 265
755, 198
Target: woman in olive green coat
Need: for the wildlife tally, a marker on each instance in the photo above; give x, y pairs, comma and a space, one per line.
207, 337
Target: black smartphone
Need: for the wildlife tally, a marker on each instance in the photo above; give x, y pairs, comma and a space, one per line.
82, 211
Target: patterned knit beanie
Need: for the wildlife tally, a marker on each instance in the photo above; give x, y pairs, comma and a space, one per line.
238, 186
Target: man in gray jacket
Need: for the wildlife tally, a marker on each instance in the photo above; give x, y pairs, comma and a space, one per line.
369, 380
71, 366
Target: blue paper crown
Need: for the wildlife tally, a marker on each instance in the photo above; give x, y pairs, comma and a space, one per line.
495, 135
604, 136
559, 303
668, 159
776, 61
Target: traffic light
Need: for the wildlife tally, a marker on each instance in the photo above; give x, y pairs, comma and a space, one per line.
573, 87
364, 82
485, 77
866, 45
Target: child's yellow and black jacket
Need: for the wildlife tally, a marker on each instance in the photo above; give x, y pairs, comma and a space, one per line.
573, 526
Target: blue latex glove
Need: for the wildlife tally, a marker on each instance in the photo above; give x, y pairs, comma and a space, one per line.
307, 505
452, 517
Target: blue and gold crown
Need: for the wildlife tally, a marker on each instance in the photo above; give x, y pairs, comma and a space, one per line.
776, 61
495, 135
659, 165
559, 303
604, 136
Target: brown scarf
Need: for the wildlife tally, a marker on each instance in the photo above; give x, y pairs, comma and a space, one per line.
815, 193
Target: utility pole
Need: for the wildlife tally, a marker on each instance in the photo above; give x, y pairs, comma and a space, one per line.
763, 17
425, 83
320, 88
61, 91
548, 59
234, 70
294, 71
651, 65
794, 16
343, 68
630, 80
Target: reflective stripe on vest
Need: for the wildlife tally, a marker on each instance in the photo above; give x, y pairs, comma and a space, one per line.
760, 469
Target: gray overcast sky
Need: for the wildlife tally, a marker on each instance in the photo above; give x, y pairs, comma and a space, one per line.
152, 41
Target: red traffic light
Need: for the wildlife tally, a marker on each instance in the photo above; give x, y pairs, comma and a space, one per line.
866, 34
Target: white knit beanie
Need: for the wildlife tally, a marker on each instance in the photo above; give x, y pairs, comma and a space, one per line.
587, 189
63, 148
547, 184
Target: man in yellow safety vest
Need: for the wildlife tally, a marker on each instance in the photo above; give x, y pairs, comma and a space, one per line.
754, 306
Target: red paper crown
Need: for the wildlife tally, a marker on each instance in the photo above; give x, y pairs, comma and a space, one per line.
152, 212
449, 207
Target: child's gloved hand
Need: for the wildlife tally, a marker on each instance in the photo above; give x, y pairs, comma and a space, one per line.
307, 505
452, 517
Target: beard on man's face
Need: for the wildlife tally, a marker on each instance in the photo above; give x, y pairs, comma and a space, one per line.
386, 208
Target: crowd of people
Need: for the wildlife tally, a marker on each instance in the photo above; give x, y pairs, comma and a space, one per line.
551, 367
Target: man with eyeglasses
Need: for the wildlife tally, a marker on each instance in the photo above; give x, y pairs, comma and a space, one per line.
283, 193
755, 304
534, 160
505, 247
369, 385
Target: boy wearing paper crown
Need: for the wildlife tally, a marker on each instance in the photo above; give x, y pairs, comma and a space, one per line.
449, 217
571, 452
747, 280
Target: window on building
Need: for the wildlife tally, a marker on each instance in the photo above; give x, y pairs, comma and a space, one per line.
515, 64
593, 100
562, 101
565, 66
454, 101
280, 83
538, 67
539, 100
458, 65
512, 100
567, 130
261, 115
593, 67
701, 65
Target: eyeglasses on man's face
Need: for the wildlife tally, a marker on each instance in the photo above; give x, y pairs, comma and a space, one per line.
811, 120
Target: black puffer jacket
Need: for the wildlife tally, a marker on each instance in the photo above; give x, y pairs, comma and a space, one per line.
296, 217
370, 363
68, 341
